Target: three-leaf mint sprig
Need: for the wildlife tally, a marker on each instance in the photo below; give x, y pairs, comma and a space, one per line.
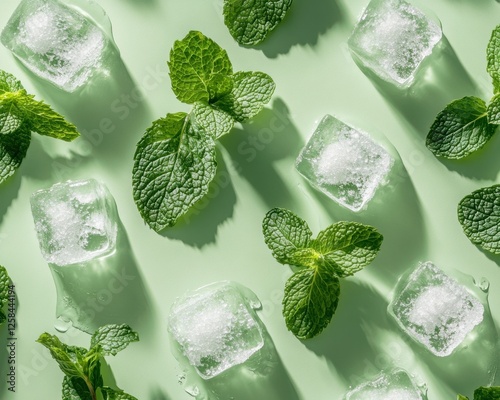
175, 160
312, 292
82, 367
467, 124
21, 115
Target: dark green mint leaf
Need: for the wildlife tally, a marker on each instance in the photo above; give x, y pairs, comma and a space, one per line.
479, 215
174, 164
487, 393
494, 110
112, 394
493, 57
4, 292
212, 120
11, 116
251, 92
75, 388
200, 69
113, 338
460, 129
311, 298
13, 149
249, 22
348, 247
285, 233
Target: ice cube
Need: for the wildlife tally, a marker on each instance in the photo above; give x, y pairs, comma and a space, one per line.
75, 221
435, 310
395, 385
57, 43
344, 163
215, 328
392, 39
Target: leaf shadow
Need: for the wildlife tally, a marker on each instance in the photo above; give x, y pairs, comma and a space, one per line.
9, 190
199, 226
271, 136
158, 394
305, 22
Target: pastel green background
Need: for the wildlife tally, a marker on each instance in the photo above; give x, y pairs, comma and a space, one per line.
314, 73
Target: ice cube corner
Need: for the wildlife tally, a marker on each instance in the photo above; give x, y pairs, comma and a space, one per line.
435, 310
215, 328
392, 39
75, 221
344, 163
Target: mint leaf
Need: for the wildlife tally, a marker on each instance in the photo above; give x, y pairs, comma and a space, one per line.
112, 394
311, 298
284, 234
460, 397
113, 338
75, 388
487, 393
251, 92
460, 129
174, 164
69, 358
45, 121
11, 116
347, 247
494, 110
9, 83
200, 69
493, 58
249, 22
13, 149
4, 292
479, 215
212, 120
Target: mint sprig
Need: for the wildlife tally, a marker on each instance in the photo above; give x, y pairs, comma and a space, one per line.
484, 393
467, 124
21, 115
4, 292
250, 22
82, 367
312, 293
479, 215
175, 160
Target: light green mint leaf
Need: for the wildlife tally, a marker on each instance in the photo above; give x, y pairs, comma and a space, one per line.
311, 298
45, 121
11, 116
174, 164
4, 292
75, 388
460, 397
200, 69
113, 338
284, 234
251, 92
348, 247
13, 149
493, 58
460, 129
9, 83
69, 358
479, 215
249, 22
494, 110
112, 394
487, 393
212, 120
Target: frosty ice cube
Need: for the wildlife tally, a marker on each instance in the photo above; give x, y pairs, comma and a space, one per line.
392, 39
57, 42
435, 310
344, 163
75, 221
395, 385
215, 328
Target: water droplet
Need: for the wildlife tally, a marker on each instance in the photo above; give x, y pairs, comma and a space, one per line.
192, 390
484, 285
62, 324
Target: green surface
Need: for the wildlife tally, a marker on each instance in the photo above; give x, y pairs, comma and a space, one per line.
221, 237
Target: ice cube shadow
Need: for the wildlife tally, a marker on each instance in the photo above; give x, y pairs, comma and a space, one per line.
199, 226
396, 212
269, 137
441, 80
305, 22
108, 290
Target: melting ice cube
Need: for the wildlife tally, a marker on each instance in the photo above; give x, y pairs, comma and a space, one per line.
215, 328
75, 221
392, 39
345, 164
57, 42
395, 385
435, 310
